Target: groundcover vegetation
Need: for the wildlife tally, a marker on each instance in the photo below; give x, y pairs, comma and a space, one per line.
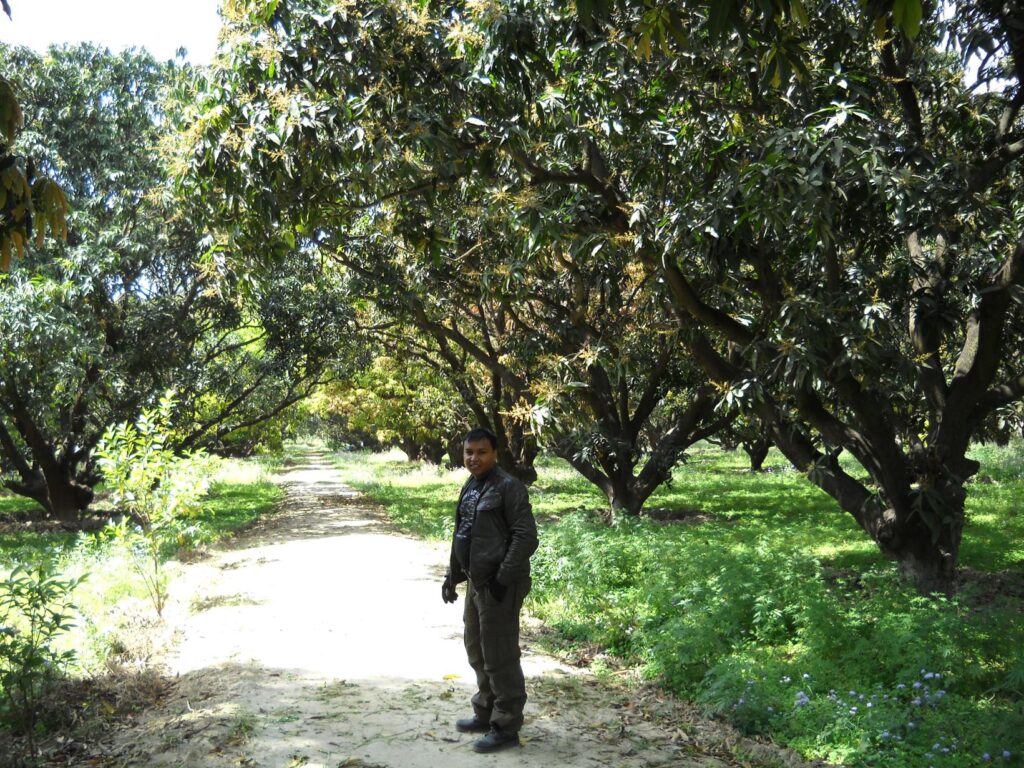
754, 595
70, 603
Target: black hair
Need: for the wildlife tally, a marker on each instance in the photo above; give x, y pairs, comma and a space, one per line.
482, 433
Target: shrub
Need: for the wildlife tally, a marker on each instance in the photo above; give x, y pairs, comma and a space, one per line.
35, 607
159, 490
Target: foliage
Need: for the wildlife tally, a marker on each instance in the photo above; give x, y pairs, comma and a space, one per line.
98, 329
241, 492
35, 608
29, 201
745, 590
159, 492
399, 401
417, 495
113, 601
827, 204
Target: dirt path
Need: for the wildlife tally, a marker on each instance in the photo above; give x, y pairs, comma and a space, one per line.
320, 640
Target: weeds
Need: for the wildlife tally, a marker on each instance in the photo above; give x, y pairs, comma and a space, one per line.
770, 608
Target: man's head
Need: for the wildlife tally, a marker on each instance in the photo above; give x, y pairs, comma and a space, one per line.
480, 451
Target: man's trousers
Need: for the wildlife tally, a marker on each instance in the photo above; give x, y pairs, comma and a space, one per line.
492, 645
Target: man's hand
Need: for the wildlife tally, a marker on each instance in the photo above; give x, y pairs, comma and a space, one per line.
448, 593
497, 589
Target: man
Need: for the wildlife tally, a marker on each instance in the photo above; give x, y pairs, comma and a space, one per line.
495, 534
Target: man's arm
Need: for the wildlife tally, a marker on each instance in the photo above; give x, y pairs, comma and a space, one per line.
522, 529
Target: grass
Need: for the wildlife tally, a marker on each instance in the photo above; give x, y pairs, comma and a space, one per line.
770, 607
111, 601
240, 494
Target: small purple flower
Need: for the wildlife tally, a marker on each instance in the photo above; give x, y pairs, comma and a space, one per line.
1006, 754
986, 757
900, 687
853, 693
802, 699
916, 701
917, 684
929, 675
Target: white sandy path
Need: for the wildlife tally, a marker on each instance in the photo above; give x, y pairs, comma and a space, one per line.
321, 640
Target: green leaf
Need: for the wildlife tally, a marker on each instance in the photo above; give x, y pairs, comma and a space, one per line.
912, 15
799, 12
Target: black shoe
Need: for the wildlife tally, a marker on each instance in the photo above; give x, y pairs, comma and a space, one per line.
472, 725
496, 739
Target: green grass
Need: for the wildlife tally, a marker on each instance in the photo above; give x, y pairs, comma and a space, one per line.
10, 504
769, 606
240, 493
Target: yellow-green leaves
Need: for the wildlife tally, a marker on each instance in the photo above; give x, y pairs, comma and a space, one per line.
21, 197
10, 112
52, 208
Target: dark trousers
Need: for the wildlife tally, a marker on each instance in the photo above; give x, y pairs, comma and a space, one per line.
492, 645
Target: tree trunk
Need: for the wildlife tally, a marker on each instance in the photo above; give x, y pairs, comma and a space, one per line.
516, 451
455, 459
757, 450
67, 499
410, 447
925, 540
623, 497
63, 499
432, 451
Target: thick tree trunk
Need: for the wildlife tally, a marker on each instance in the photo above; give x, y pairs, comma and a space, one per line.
516, 451
455, 452
48, 481
624, 498
924, 539
757, 450
67, 499
929, 564
432, 451
410, 447
60, 495
926, 554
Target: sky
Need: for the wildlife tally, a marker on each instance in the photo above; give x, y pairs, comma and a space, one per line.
161, 26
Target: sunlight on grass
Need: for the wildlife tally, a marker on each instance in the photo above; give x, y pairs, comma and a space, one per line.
769, 605
11, 504
111, 601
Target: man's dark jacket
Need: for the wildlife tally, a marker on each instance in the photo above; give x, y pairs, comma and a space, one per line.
504, 533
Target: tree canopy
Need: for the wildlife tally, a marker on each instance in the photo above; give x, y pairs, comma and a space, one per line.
827, 201
99, 327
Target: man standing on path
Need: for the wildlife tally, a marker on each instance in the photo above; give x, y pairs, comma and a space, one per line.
495, 534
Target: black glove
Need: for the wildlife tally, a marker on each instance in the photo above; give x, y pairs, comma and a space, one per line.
497, 590
448, 593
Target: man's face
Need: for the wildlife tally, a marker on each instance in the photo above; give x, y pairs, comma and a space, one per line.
479, 457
